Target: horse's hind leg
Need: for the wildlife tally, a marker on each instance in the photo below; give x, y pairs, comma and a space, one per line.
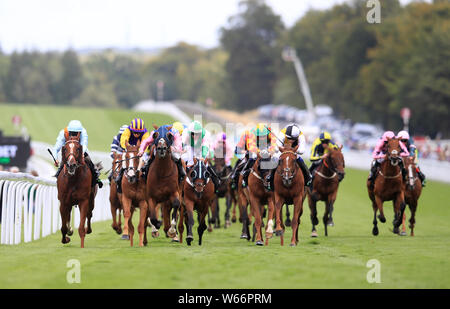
227, 211
89, 215
216, 214
288, 216
142, 222
83, 214
314, 220
399, 209
173, 224
375, 231
202, 226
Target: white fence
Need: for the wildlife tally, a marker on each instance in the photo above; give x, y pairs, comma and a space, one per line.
30, 208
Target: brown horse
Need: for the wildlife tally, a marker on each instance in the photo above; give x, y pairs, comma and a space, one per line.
198, 194
74, 185
289, 188
115, 198
133, 196
388, 187
325, 187
162, 180
413, 189
224, 189
258, 197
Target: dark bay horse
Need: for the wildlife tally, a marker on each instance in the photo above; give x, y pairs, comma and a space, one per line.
224, 189
74, 185
115, 198
413, 190
388, 187
133, 196
325, 188
259, 197
162, 180
198, 194
290, 189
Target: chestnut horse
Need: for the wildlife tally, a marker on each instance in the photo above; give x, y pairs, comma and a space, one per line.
162, 181
258, 197
413, 189
325, 187
388, 187
198, 194
289, 187
133, 196
115, 198
74, 185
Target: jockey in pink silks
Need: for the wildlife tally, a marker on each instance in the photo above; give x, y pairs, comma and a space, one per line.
176, 150
379, 154
221, 142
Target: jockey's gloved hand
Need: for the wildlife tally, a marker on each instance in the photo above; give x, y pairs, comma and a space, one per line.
56, 163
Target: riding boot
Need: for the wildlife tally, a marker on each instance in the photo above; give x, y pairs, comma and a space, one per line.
246, 171
181, 171
403, 169
95, 173
235, 173
118, 180
421, 176
214, 178
306, 173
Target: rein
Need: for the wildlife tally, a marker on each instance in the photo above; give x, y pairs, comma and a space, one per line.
391, 177
326, 165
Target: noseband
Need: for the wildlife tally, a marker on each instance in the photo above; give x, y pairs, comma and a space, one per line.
71, 170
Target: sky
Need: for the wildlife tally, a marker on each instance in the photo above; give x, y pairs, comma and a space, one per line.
60, 24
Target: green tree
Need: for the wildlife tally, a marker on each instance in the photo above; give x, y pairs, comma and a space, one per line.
250, 39
71, 83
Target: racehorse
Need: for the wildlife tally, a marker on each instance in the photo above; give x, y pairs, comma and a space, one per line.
258, 197
325, 187
162, 179
388, 187
115, 198
289, 187
413, 189
224, 190
74, 185
198, 194
133, 196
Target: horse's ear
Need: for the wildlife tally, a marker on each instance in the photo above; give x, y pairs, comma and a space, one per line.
155, 135
169, 128
295, 148
195, 161
281, 149
340, 148
155, 126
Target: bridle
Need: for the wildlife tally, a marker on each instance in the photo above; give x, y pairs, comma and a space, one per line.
287, 174
131, 171
198, 171
70, 167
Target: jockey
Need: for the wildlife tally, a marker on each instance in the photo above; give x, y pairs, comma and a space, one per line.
176, 149
293, 134
196, 143
179, 127
115, 145
75, 128
241, 149
134, 133
379, 153
227, 149
409, 143
319, 149
260, 140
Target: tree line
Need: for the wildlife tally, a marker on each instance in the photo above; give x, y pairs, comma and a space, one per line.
366, 72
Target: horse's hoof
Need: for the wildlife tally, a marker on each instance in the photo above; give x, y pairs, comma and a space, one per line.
240, 220
227, 224
175, 239
66, 240
70, 232
292, 245
88, 231
233, 219
210, 229
403, 233
189, 239
396, 230
269, 235
278, 233
287, 222
126, 237
259, 243
155, 234
330, 223
244, 236
314, 234
382, 219
172, 233
375, 231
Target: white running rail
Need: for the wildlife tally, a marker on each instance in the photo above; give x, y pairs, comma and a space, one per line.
30, 208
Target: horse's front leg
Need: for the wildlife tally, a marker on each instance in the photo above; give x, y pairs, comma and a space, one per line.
256, 208
84, 208
142, 222
201, 224
65, 210
298, 210
126, 217
175, 201
189, 212
279, 201
313, 209
269, 229
399, 209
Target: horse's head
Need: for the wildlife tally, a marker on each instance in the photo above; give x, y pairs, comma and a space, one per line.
393, 151
336, 163
288, 167
72, 155
116, 164
410, 167
131, 159
199, 176
163, 139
